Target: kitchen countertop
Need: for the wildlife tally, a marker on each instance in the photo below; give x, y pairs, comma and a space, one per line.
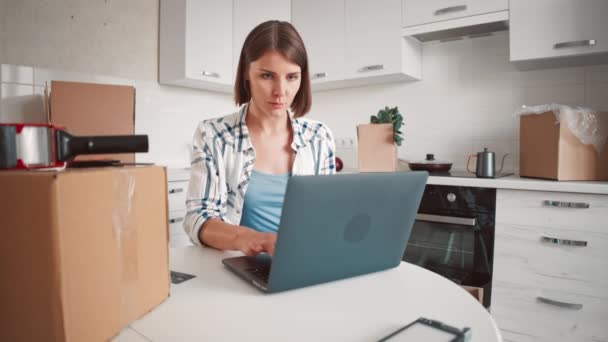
217, 305
509, 182
521, 183
518, 183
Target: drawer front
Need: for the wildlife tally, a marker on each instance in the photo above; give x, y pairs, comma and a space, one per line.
524, 255
588, 212
527, 313
177, 235
177, 195
416, 12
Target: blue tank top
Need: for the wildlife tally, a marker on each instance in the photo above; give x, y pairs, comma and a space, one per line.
263, 201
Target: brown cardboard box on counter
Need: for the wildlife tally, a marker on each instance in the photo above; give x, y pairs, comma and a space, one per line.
83, 253
377, 149
90, 109
550, 150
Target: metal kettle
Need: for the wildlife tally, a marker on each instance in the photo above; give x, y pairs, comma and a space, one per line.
486, 167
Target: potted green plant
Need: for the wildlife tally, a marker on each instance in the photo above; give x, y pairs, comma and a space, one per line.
390, 116
378, 141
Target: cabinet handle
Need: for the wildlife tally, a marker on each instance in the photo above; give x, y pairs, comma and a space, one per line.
372, 68
560, 204
451, 9
564, 305
464, 221
575, 43
175, 220
175, 191
210, 74
567, 242
319, 75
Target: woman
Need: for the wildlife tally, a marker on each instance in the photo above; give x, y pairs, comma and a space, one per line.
241, 162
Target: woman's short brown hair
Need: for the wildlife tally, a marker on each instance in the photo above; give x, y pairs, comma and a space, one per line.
282, 37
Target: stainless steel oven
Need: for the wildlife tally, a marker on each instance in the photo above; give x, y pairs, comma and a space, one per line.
453, 235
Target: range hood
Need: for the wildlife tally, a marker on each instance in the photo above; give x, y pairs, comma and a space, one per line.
454, 29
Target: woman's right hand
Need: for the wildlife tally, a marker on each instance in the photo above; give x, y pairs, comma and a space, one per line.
252, 242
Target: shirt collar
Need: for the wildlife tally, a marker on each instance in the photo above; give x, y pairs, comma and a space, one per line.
244, 140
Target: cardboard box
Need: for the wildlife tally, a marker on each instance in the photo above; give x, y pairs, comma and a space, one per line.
476, 292
88, 109
377, 149
83, 252
550, 150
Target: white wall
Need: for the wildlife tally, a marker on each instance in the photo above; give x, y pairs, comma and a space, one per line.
104, 37
464, 103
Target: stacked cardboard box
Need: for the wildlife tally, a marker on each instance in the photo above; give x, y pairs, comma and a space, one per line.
83, 253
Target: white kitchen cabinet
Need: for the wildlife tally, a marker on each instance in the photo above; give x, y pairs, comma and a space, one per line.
321, 25
196, 44
552, 33
417, 12
176, 189
356, 42
247, 14
372, 37
453, 19
550, 273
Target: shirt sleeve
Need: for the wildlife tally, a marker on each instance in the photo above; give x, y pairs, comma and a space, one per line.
204, 199
328, 157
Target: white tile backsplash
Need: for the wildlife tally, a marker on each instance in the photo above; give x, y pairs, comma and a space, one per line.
19, 103
16, 74
596, 96
596, 74
43, 75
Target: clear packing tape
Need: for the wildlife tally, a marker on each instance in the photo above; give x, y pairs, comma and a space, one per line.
125, 234
588, 125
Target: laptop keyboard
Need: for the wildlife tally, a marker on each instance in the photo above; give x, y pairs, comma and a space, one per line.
260, 269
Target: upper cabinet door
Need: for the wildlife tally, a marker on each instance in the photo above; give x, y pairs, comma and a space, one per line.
248, 14
373, 37
416, 12
557, 28
208, 28
321, 25
193, 44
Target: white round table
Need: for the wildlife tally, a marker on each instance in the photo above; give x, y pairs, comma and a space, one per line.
216, 305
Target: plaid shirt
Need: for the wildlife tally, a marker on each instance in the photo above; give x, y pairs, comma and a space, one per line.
222, 161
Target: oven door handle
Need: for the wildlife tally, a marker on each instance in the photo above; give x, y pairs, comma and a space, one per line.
463, 221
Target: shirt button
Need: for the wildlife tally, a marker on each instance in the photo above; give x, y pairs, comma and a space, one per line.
238, 211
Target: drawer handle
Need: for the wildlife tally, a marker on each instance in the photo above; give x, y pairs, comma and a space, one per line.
575, 43
463, 221
564, 305
559, 204
210, 74
175, 220
372, 68
319, 75
175, 191
450, 9
567, 242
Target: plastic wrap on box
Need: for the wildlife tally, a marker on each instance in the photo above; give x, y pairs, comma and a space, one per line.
586, 124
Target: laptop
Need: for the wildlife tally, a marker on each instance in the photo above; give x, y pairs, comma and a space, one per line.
336, 226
